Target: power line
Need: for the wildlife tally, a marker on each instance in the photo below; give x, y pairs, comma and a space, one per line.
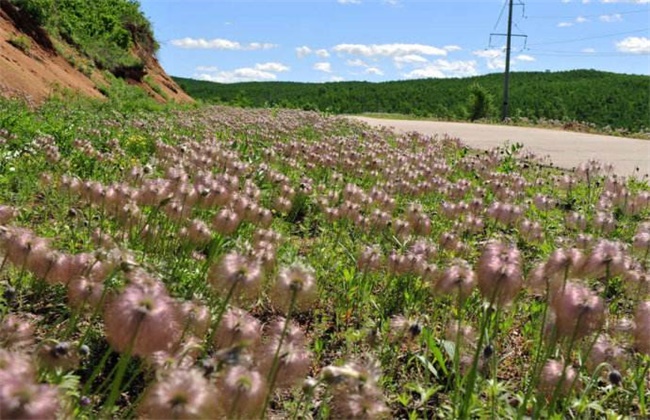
591, 37
551, 53
630, 12
505, 3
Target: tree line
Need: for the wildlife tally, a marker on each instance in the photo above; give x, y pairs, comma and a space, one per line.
618, 101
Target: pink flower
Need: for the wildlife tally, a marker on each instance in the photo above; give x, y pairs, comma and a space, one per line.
579, 311
141, 321
555, 376
499, 273
180, 394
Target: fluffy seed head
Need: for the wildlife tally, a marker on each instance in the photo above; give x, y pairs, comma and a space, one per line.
555, 376
579, 311
180, 394
499, 273
141, 321
458, 278
15, 333
642, 328
23, 399
297, 279
243, 391
238, 273
237, 327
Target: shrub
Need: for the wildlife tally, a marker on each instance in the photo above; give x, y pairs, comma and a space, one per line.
21, 42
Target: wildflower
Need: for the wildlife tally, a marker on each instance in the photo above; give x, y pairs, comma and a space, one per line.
226, 221
356, 394
236, 276
294, 360
641, 241
579, 312
197, 318
606, 260
141, 321
23, 399
243, 391
370, 259
15, 365
458, 278
15, 333
237, 327
499, 274
296, 282
83, 291
605, 351
555, 376
180, 394
564, 263
642, 328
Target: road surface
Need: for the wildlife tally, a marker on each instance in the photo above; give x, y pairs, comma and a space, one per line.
566, 149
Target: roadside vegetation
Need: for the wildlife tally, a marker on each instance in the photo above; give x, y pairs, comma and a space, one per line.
112, 34
580, 99
220, 262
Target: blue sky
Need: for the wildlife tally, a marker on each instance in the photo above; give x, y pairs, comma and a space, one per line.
377, 40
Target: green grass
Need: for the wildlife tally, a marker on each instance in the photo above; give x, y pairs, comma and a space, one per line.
130, 237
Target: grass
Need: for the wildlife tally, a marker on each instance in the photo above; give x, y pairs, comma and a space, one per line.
217, 262
22, 42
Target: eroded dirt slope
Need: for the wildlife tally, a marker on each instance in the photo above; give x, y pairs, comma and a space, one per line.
32, 68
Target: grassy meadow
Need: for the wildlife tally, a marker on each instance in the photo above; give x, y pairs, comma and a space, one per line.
216, 262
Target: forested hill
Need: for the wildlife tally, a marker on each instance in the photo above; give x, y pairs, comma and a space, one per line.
604, 99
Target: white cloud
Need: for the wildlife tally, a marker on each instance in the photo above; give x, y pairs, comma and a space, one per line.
336, 79
323, 66
303, 51
374, 70
272, 67
219, 44
245, 74
626, 1
410, 59
494, 58
392, 2
322, 53
524, 57
588, 50
349, 1
443, 68
564, 24
451, 48
616, 17
388, 50
357, 62
581, 19
634, 45
259, 72
207, 68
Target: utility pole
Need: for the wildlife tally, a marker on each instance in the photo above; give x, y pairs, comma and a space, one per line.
506, 79
509, 35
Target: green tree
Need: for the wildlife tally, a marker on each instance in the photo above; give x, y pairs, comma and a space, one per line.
481, 102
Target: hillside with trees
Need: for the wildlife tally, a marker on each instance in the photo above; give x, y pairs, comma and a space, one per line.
604, 99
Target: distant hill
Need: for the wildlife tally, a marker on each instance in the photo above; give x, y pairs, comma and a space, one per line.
89, 47
604, 99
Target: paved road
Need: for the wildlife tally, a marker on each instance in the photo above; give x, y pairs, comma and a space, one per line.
566, 149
